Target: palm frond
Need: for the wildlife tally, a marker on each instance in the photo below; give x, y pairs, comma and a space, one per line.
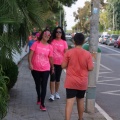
8, 46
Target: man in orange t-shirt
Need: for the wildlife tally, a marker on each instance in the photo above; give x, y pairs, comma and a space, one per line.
78, 62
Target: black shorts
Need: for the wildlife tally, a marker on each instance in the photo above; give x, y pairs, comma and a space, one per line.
57, 74
71, 93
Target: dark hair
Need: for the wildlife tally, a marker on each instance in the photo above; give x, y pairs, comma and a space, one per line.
41, 35
54, 34
79, 38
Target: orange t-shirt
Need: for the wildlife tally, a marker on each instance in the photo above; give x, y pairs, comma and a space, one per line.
78, 61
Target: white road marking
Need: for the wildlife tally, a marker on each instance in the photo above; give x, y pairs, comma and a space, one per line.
102, 68
104, 72
108, 84
105, 67
100, 109
108, 77
113, 54
108, 80
112, 92
103, 112
110, 49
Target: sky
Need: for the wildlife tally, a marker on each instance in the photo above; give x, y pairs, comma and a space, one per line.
69, 13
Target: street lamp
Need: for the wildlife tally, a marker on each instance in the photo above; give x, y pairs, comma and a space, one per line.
113, 14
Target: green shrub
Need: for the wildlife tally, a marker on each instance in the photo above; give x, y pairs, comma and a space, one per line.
12, 73
11, 70
3, 93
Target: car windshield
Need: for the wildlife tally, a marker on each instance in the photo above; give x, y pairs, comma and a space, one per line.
114, 36
107, 36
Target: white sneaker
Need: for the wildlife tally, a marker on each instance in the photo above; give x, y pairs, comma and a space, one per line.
51, 98
57, 96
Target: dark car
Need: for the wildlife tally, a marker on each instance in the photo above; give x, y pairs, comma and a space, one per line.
117, 42
111, 39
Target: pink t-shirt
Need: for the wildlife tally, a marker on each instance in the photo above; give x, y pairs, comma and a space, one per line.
78, 61
40, 59
37, 34
59, 47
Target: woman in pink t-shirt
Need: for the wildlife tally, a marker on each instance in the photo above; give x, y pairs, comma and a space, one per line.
77, 62
60, 46
40, 62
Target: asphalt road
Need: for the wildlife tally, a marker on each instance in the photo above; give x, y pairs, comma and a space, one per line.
108, 84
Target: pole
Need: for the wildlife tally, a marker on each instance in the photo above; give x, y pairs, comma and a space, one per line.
93, 47
60, 17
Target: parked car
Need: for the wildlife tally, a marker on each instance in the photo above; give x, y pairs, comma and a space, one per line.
103, 38
69, 39
111, 39
117, 42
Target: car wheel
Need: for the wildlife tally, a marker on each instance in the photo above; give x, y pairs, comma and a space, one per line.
114, 46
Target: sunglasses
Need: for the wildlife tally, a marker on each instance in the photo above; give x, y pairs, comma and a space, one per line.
47, 34
58, 31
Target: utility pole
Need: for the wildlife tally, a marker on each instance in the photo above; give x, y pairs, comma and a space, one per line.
93, 47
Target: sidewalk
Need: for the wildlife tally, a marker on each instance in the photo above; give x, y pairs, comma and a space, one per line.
22, 104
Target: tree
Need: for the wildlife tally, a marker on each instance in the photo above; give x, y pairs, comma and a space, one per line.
18, 17
67, 2
82, 16
116, 4
103, 20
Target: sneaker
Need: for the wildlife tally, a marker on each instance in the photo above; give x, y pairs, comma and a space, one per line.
38, 102
52, 98
57, 96
43, 108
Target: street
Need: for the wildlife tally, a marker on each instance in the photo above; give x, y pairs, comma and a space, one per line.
108, 84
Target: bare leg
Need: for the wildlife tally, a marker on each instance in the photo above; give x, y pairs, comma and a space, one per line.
68, 108
57, 84
52, 87
80, 107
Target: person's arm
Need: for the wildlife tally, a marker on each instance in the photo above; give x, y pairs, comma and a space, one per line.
51, 64
65, 61
90, 63
51, 59
64, 65
30, 58
66, 46
65, 50
90, 68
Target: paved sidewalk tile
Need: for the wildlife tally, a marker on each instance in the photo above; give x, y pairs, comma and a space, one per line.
22, 103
